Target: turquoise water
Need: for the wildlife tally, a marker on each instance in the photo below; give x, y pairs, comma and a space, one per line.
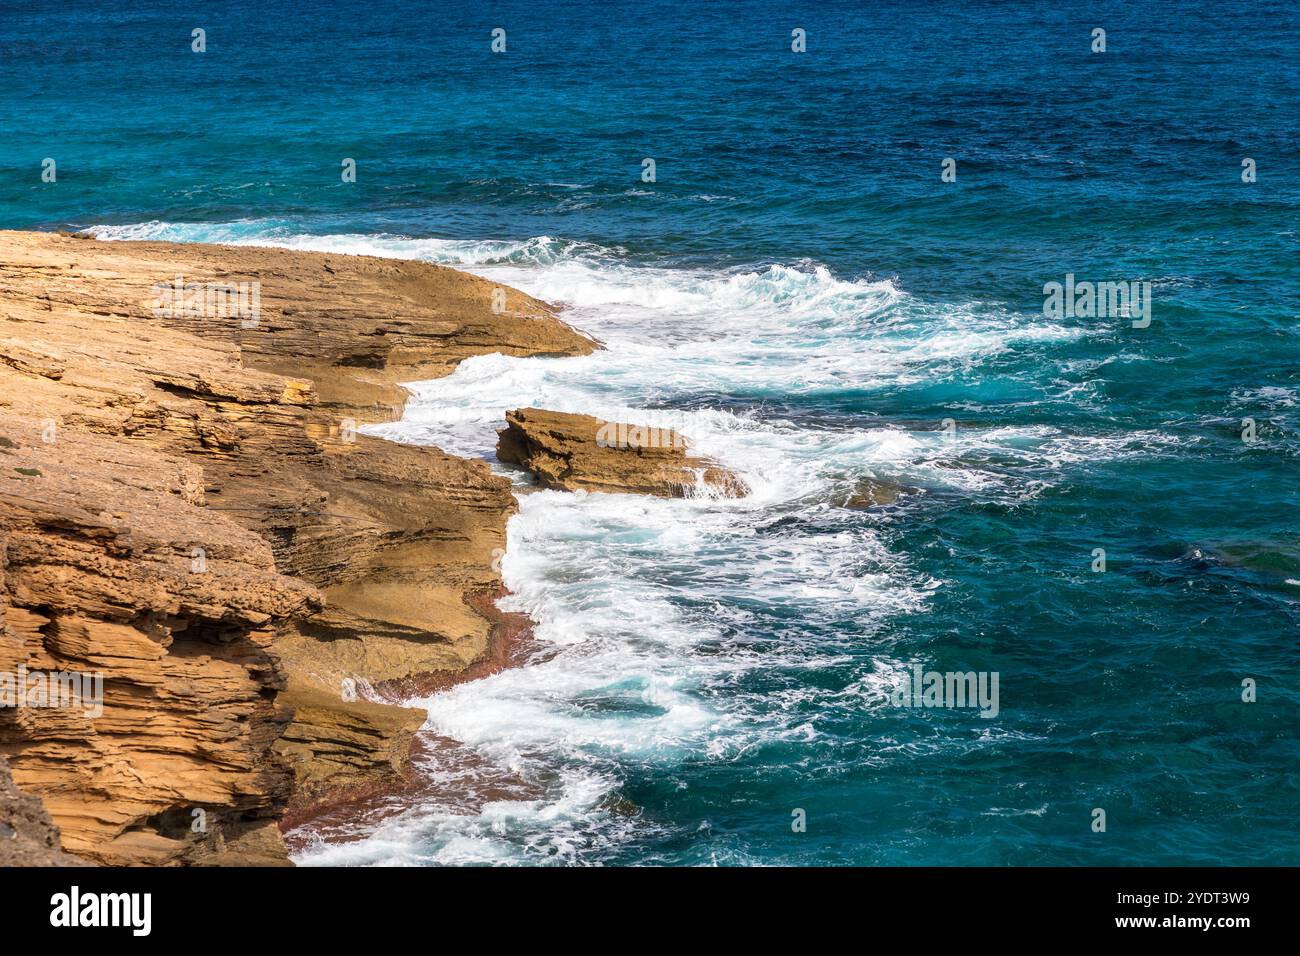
801, 293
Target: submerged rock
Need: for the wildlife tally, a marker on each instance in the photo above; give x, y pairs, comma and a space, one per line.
571, 452
871, 492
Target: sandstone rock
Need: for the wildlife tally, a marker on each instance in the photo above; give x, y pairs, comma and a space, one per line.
132, 435
571, 452
335, 744
355, 325
871, 492
112, 568
28, 837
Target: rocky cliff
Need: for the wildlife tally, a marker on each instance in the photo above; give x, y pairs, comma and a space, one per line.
28, 837
187, 510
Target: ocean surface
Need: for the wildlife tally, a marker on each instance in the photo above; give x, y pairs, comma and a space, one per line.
801, 292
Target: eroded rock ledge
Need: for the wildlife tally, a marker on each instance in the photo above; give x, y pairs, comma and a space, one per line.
28, 837
186, 509
571, 452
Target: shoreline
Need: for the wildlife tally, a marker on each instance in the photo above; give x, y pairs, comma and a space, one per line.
509, 644
371, 565
299, 558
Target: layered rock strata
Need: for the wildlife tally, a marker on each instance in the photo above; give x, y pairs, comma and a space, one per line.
578, 452
188, 511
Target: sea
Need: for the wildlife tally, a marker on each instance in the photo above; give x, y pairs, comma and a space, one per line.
840, 245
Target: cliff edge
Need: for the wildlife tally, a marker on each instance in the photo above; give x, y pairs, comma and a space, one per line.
188, 511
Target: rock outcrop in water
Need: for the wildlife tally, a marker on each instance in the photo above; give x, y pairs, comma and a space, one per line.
571, 452
187, 510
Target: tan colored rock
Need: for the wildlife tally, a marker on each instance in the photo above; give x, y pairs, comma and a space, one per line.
136, 434
873, 492
28, 837
113, 570
571, 452
357, 326
337, 744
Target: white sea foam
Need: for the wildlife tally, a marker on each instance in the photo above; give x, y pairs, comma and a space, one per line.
1269, 397
649, 611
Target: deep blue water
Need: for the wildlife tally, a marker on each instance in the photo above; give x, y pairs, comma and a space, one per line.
811, 301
